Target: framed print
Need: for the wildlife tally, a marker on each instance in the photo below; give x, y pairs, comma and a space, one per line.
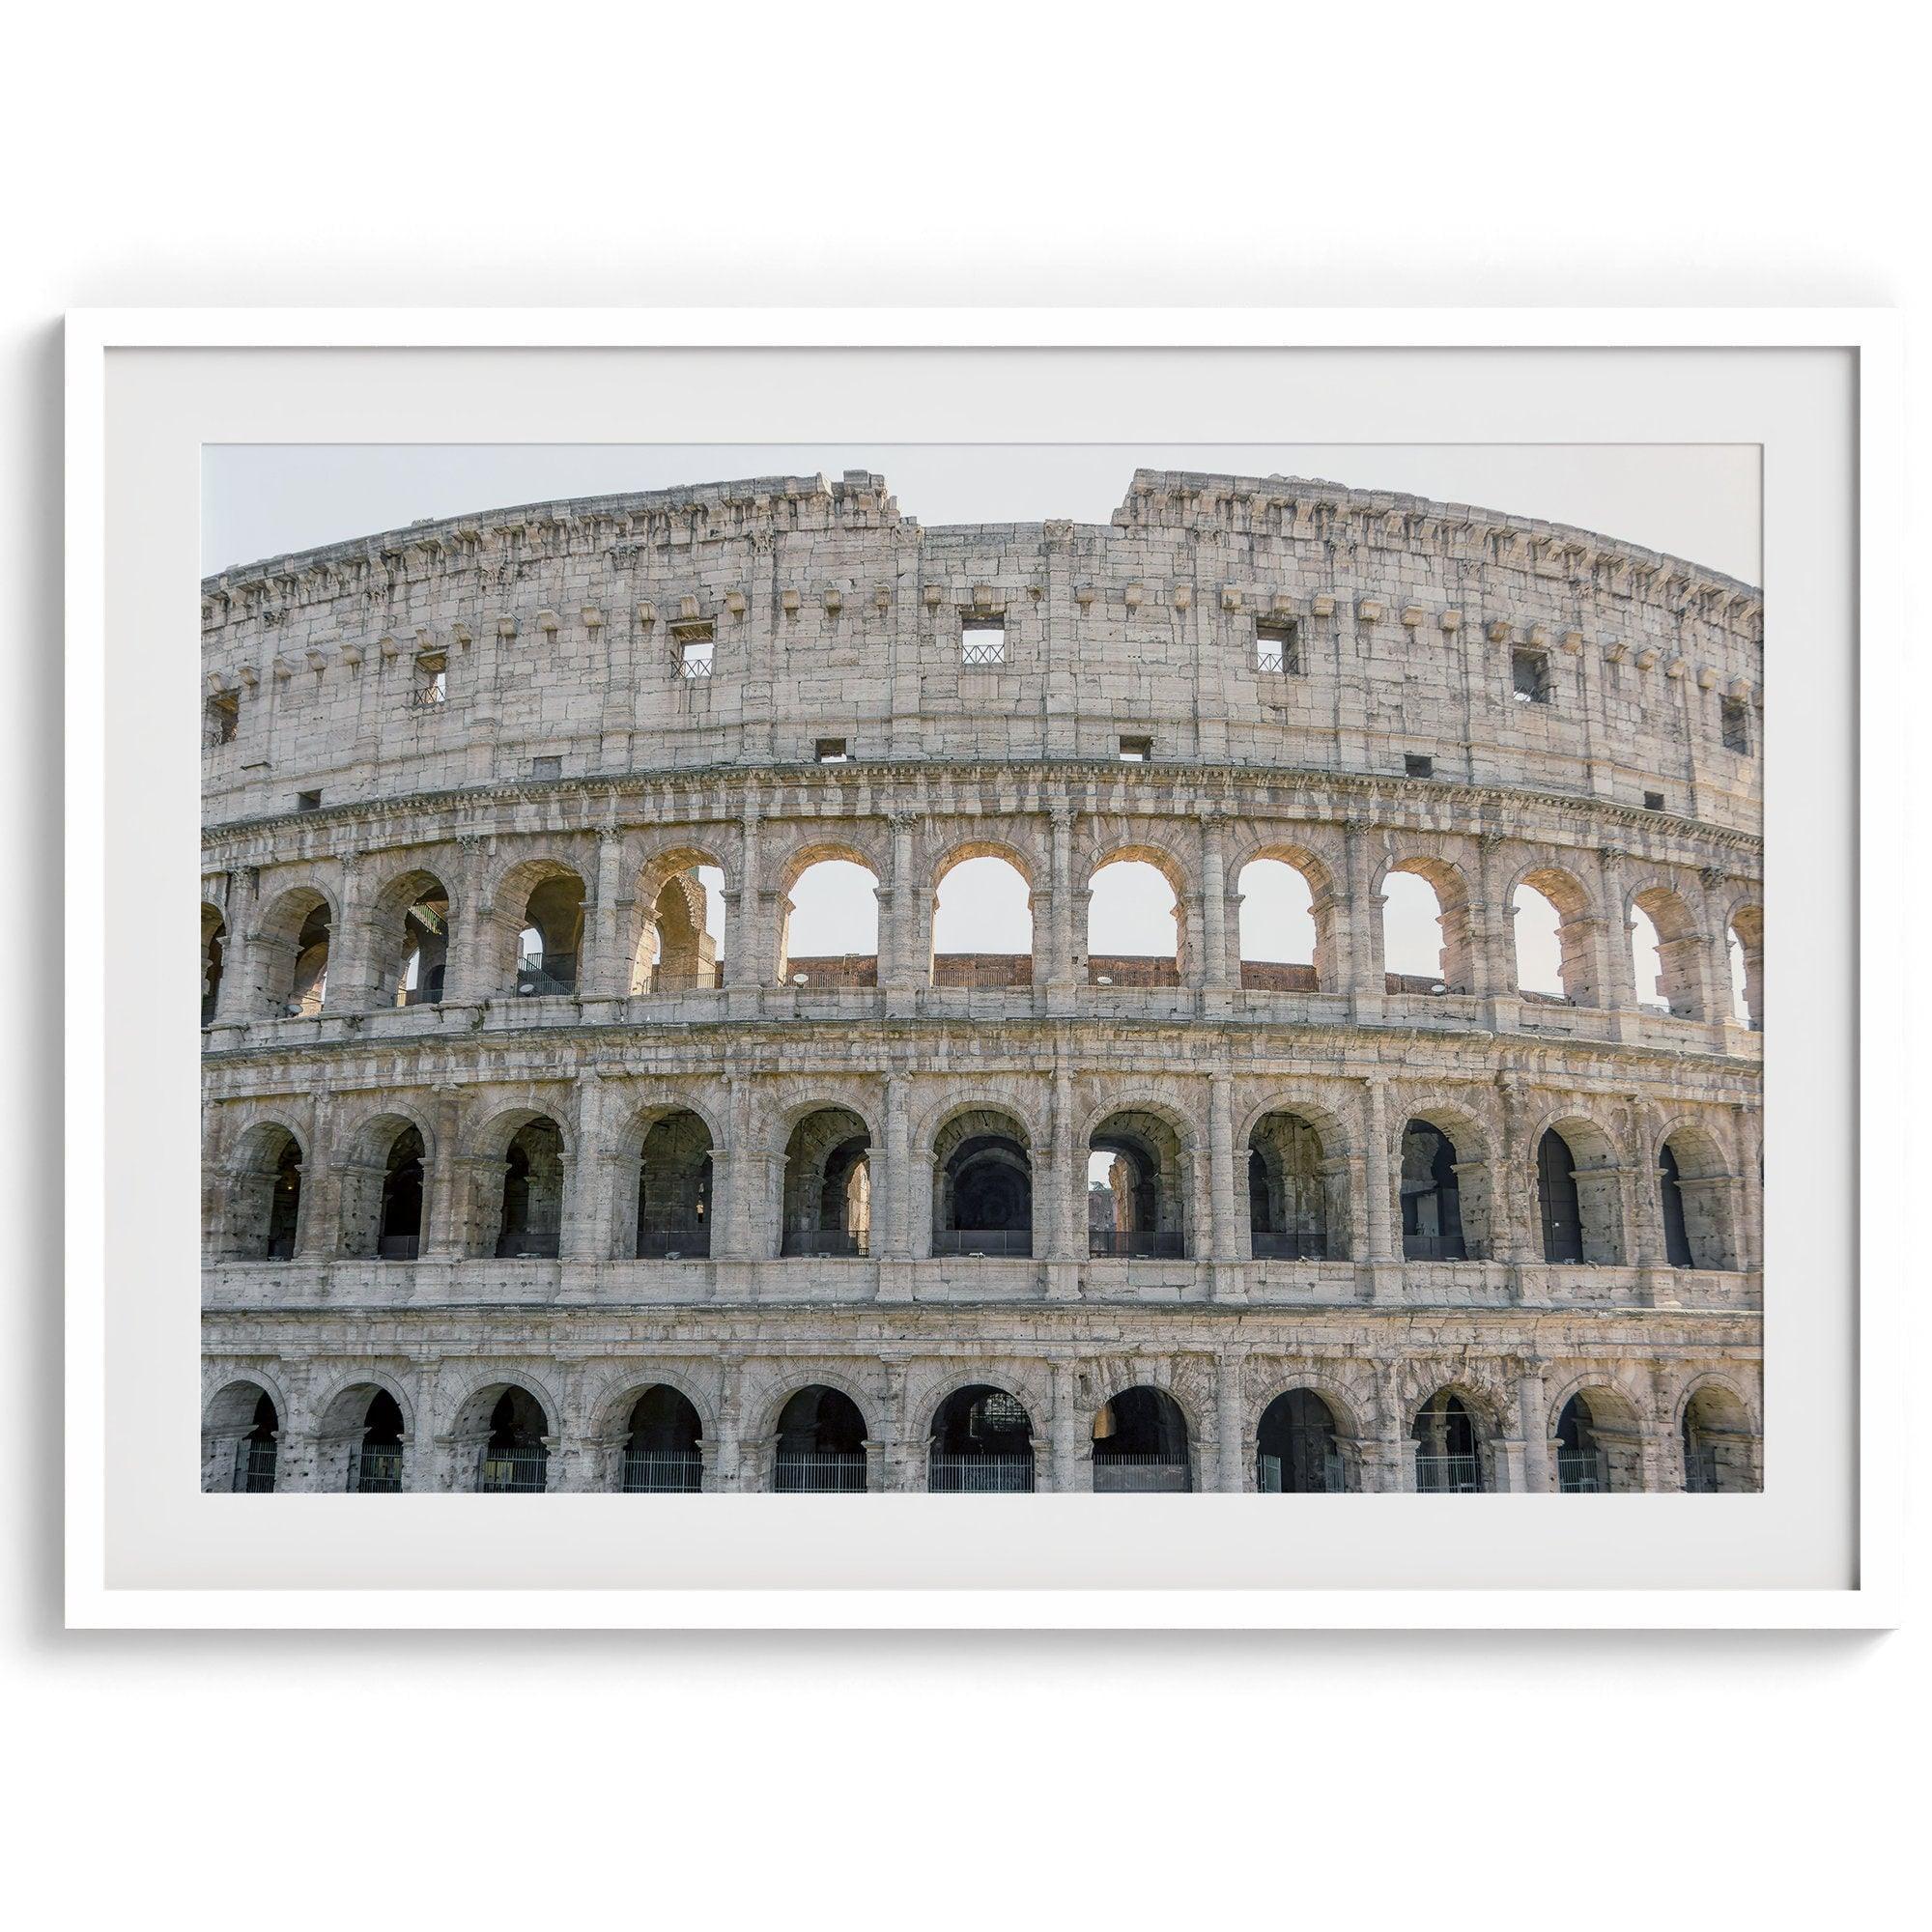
981, 968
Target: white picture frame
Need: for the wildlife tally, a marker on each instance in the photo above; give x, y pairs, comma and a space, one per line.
263, 354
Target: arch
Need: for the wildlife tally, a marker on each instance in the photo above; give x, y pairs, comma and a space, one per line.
535, 919
1285, 925
1599, 1436
982, 1183
979, 1442
1579, 1191
1573, 969
373, 1218
292, 944
1142, 1443
529, 1201
1297, 1192
1405, 965
363, 1432
992, 900
1139, 1186
1454, 1434
1720, 1438
241, 1429
674, 949
828, 1184
1745, 948
664, 1187
1693, 1182
411, 919
266, 1172
819, 1443
1430, 1183
663, 1452
1679, 942
1128, 940
1301, 1448
214, 954
839, 885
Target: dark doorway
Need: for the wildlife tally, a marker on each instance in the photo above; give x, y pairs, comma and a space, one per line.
1556, 1193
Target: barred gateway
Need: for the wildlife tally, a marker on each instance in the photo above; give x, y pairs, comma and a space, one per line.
519, 1178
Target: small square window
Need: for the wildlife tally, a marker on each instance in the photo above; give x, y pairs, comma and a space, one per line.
831, 751
1529, 677
693, 656
1136, 750
308, 801
1736, 724
432, 685
1278, 648
1417, 766
1653, 801
547, 768
224, 718
983, 641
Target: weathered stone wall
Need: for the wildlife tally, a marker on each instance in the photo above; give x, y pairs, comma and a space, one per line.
833, 618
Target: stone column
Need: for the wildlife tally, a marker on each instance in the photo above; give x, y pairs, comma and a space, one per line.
1532, 1405
899, 964
1514, 1206
1228, 1425
1225, 1239
728, 1462
1060, 965
897, 1190
1071, 1445
1492, 925
231, 996
1646, 1207
748, 962
1619, 983
1749, 1193
584, 1234
470, 975
741, 1206
1717, 930
1378, 1175
1360, 910
609, 977
1214, 904
352, 969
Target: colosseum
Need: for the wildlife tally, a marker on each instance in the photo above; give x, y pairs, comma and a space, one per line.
537, 1158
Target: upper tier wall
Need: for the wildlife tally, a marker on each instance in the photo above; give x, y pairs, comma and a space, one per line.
835, 617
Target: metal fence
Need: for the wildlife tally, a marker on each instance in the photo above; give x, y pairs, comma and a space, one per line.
528, 1245
1139, 1475
534, 981
1141, 1244
674, 1244
662, 1472
1268, 1247
1276, 658
819, 1473
1701, 1473
979, 1475
512, 1472
982, 1241
379, 1470
255, 1469
1434, 1248
1448, 1475
1580, 1472
695, 666
983, 651
1332, 1477
397, 1247
825, 1241
427, 696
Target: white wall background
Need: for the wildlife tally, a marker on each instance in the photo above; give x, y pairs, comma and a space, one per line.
364, 154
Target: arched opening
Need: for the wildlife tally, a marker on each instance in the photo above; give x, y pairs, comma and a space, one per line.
1133, 925
1666, 955
1747, 959
285, 1205
1293, 1191
422, 944
1431, 1196
1556, 1197
550, 935
1140, 1444
1556, 939
1136, 1189
378, 1469
983, 924
309, 984
1538, 945
1281, 946
674, 1189
1425, 941
821, 1445
982, 1185
255, 1466
1719, 1444
982, 1444
399, 1225
516, 1456
662, 1452
1694, 1187
531, 1224
239, 1434
681, 949
828, 1185
1599, 1446
213, 946
265, 1195
1298, 1448
1448, 1452
831, 934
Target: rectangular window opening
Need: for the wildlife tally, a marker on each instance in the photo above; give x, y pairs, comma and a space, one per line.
1736, 724
308, 801
224, 717
1416, 766
983, 640
547, 768
831, 751
1529, 677
1136, 750
1278, 648
1653, 801
694, 644
432, 685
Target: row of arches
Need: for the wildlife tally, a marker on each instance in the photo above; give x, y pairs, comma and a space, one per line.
1304, 1198
1289, 934
980, 1440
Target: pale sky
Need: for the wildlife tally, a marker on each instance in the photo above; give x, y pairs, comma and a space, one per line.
1698, 501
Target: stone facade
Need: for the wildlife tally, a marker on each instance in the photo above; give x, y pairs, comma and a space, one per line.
571, 706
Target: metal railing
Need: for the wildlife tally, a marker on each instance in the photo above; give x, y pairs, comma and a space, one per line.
255, 1469
534, 982
427, 696
1701, 1473
1332, 1477
1275, 658
397, 1247
695, 666
533, 1244
819, 1473
1435, 1248
801, 1242
379, 1470
974, 1242
979, 1475
512, 1472
1139, 1245
662, 1472
1448, 1475
1139, 1475
1268, 1247
674, 1244
988, 651
1580, 1472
